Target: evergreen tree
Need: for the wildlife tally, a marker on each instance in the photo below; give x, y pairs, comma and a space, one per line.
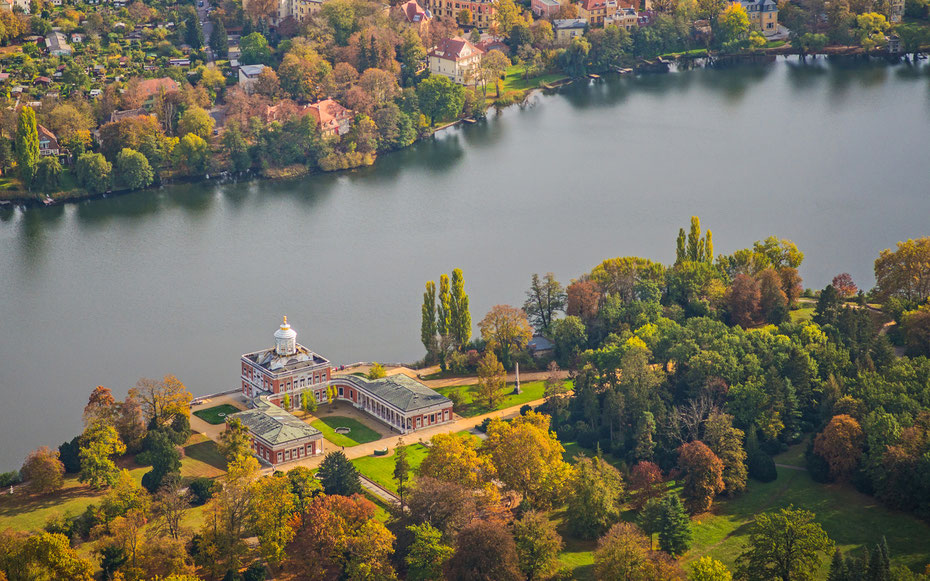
338, 475
401, 470
838, 568
27, 145
219, 39
828, 307
674, 527
193, 32
428, 319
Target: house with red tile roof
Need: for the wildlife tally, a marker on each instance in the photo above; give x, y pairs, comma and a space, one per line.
455, 58
334, 119
415, 14
597, 11
148, 89
48, 142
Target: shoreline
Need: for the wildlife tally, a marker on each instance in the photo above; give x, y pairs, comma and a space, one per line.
644, 67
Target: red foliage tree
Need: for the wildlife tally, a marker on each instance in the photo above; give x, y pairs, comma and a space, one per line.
844, 285
645, 483
584, 296
703, 475
485, 549
743, 299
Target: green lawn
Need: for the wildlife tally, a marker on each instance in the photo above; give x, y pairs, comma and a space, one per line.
851, 519
360, 434
530, 391
802, 314
514, 81
380, 469
202, 458
212, 415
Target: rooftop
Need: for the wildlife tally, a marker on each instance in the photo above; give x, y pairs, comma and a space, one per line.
455, 48
274, 425
404, 393
271, 361
251, 71
570, 23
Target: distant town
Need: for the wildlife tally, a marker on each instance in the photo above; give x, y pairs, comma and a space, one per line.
116, 96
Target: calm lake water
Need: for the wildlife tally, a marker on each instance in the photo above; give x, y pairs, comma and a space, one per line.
185, 279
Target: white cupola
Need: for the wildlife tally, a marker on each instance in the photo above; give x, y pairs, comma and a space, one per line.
285, 340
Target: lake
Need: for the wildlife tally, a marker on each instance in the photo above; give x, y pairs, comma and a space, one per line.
185, 279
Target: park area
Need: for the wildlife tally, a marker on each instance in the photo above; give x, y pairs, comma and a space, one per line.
468, 407
30, 512
357, 432
851, 519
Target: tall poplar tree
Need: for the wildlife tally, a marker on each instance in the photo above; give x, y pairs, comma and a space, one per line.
27, 145
680, 252
695, 244
709, 247
443, 318
460, 316
428, 323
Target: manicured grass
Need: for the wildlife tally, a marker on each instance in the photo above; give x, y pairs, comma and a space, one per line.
851, 519
212, 415
577, 554
530, 391
514, 81
202, 458
24, 512
360, 434
573, 450
380, 469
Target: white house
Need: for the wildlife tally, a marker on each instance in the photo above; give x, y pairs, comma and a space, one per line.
455, 58
248, 76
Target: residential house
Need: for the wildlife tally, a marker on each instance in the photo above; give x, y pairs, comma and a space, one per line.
893, 45
248, 76
299, 10
493, 43
57, 44
546, 8
77, 37
597, 11
568, 28
455, 58
626, 17
334, 119
415, 14
9, 5
149, 89
763, 15
128, 114
48, 143
482, 11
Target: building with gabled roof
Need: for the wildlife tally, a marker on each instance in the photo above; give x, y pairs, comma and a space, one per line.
48, 142
334, 119
278, 436
455, 58
57, 44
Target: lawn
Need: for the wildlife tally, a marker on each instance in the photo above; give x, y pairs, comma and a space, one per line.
380, 469
202, 458
360, 434
803, 314
213, 415
851, 519
514, 81
530, 392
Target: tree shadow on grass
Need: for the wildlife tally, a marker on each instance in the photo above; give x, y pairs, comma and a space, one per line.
22, 503
207, 453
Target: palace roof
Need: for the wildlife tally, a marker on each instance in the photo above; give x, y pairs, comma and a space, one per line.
273, 362
404, 393
274, 425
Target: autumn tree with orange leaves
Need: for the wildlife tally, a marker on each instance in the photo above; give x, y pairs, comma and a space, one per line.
840, 444
703, 475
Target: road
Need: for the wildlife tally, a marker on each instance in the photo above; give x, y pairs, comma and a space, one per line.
203, 13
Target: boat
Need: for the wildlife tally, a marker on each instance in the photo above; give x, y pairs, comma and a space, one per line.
595, 77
